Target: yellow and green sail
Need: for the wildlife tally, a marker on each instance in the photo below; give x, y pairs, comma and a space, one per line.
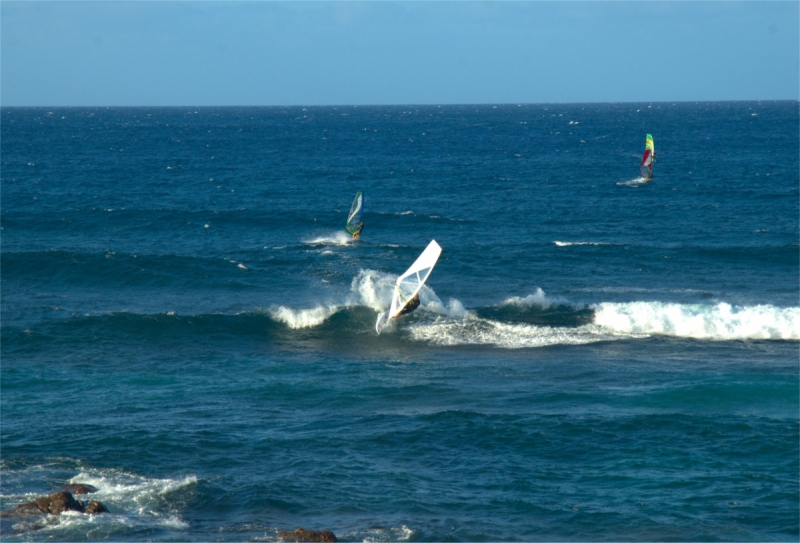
646, 169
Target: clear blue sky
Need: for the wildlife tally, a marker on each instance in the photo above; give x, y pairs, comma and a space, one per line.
308, 53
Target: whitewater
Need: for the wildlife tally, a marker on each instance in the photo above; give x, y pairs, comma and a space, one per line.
452, 324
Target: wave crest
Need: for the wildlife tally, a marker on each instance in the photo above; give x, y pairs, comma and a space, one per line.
473, 330
302, 318
571, 243
538, 298
700, 321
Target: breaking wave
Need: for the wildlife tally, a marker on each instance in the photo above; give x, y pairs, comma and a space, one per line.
302, 318
370, 289
533, 320
538, 320
720, 322
473, 330
538, 298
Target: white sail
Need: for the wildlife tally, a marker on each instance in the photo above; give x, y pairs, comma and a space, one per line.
410, 283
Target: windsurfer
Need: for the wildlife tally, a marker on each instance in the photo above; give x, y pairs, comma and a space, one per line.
646, 168
412, 304
357, 233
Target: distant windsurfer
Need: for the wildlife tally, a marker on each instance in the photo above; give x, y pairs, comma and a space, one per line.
412, 304
357, 233
646, 169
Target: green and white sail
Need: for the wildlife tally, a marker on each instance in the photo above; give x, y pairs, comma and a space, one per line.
356, 213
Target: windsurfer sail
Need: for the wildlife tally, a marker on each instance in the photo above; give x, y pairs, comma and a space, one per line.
355, 224
408, 285
646, 169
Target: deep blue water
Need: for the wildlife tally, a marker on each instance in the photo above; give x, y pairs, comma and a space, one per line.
187, 327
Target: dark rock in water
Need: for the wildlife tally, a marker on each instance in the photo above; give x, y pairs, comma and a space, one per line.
55, 504
58, 502
94, 507
80, 489
24, 509
307, 535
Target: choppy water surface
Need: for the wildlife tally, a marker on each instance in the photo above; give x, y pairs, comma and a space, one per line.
187, 327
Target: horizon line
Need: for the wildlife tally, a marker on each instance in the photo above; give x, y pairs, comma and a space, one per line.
462, 104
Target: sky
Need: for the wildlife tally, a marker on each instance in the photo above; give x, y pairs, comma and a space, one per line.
155, 53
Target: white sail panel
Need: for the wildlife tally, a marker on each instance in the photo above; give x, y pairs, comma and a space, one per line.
411, 281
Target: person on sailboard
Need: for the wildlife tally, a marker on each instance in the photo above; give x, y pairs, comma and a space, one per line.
357, 233
412, 304
646, 168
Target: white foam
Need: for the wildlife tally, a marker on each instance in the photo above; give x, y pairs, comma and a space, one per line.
133, 501
374, 289
369, 288
120, 486
570, 243
334, 238
473, 330
302, 318
722, 321
633, 182
613, 321
456, 309
453, 324
379, 535
538, 298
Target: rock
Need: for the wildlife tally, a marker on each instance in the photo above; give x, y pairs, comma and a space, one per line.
55, 504
58, 502
94, 507
80, 489
24, 509
307, 535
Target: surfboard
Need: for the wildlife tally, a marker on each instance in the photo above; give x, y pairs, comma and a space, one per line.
381, 323
410, 283
356, 213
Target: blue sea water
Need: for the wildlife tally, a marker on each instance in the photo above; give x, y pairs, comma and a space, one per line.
187, 327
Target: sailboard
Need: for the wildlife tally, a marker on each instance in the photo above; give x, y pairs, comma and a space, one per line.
410, 283
356, 213
646, 168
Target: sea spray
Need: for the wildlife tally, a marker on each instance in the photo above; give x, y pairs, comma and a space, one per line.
538, 298
473, 330
303, 318
335, 238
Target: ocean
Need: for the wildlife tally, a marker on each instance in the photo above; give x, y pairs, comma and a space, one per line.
187, 326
